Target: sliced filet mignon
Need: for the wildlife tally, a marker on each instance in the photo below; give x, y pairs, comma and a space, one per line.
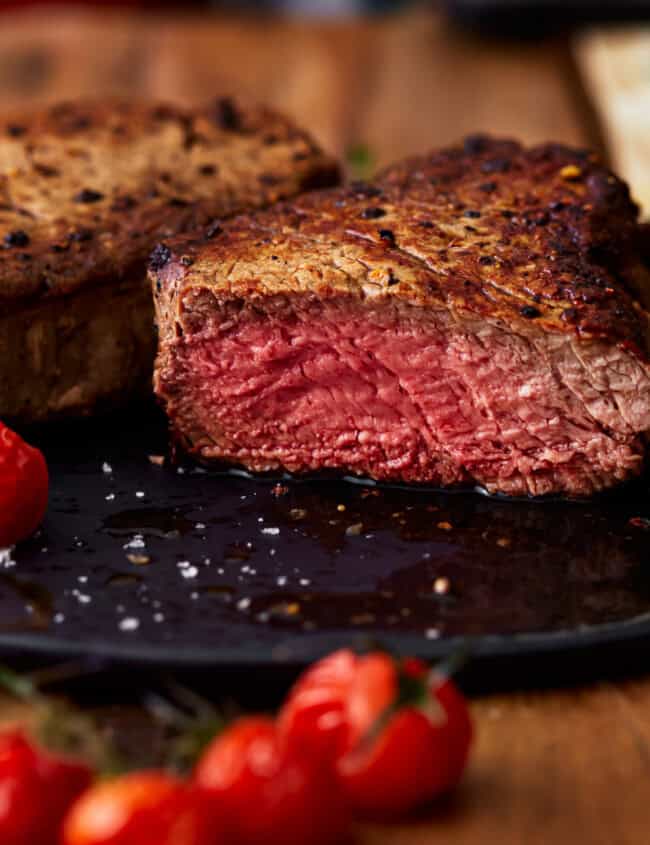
473, 317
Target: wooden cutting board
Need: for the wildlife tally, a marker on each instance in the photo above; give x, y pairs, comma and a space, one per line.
615, 64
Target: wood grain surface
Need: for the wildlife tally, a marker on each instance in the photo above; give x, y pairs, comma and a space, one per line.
398, 84
558, 767
615, 65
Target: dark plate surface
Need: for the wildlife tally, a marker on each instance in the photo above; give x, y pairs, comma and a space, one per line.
179, 568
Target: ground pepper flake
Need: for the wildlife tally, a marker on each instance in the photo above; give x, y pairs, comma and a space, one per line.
138, 560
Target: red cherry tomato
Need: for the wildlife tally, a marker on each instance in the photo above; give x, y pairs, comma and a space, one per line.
142, 808
23, 488
266, 793
314, 716
398, 735
36, 791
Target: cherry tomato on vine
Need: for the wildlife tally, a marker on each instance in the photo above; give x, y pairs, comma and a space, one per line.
314, 717
268, 794
396, 734
36, 790
23, 488
141, 808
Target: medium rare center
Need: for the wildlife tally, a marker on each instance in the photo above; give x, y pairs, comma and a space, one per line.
396, 394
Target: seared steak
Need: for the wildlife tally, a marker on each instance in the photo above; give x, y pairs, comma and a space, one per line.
473, 317
86, 190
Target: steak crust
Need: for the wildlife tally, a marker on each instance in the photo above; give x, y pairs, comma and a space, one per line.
519, 268
86, 190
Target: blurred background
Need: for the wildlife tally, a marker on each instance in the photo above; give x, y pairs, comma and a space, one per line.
373, 80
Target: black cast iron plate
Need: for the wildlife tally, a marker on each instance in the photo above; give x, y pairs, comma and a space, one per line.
178, 568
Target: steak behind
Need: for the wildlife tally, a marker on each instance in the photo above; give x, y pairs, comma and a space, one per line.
86, 190
473, 317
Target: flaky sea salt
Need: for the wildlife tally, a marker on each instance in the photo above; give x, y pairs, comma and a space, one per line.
6, 558
136, 542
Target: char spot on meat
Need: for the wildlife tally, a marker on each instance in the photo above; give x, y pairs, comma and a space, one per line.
487, 187
160, 257
16, 238
213, 230
570, 315
163, 113
226, 115
364, 189
46, 171
388, 236
471, 213
15, 131
80, 235
88, 195
530, 312
373, 213
539, 219
496, 165
475, 144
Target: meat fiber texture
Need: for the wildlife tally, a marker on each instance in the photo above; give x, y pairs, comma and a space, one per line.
474, 317
86, 190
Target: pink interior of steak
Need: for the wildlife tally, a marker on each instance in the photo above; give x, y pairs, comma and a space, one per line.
396, 392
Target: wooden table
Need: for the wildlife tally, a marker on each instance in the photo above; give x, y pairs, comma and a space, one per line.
552, 767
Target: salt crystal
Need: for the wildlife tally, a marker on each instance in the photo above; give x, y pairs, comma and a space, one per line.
136, 542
